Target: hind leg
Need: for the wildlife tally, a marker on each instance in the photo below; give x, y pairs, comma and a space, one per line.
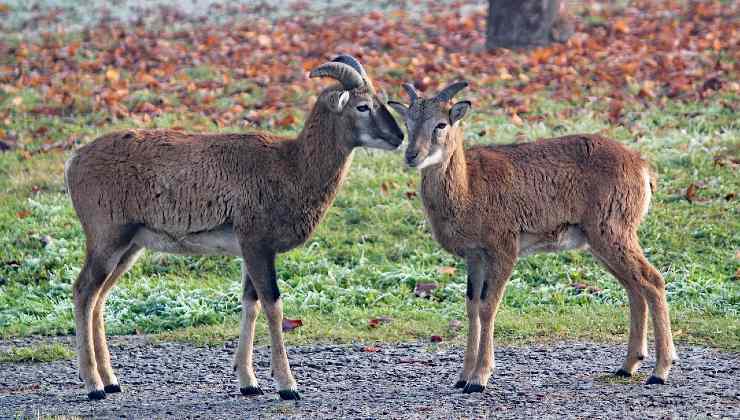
646, 286
102, 355
637, 344
104, 251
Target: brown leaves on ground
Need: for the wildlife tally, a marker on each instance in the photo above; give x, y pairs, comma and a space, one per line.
641, 54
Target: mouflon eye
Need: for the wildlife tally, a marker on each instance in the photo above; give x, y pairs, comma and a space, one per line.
441, 126
363, 108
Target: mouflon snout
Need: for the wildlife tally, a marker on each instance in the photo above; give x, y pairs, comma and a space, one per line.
389, 129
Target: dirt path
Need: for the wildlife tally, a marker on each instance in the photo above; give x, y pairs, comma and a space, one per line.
171, 380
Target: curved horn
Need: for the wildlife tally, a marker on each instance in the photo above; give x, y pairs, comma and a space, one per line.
355, 64
451, 90
409, 88
352, 62
343, 73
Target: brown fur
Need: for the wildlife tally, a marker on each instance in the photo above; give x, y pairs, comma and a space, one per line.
537, 188
492, 204
248, 195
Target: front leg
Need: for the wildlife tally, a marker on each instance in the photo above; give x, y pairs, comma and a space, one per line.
243, 364
497, 271
472, 304
260, 265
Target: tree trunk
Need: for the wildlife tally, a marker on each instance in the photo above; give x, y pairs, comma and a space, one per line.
526, 23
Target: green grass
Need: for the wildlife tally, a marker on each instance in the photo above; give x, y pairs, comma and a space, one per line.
596, 322
36, 353
374, 246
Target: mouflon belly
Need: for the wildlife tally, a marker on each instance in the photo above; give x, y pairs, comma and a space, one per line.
218, 241
565, 238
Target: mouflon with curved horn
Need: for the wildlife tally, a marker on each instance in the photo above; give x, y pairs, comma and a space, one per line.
247, 195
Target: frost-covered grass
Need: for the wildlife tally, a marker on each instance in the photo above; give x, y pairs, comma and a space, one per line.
374, 246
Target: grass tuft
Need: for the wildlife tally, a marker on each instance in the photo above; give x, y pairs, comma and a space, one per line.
40, 353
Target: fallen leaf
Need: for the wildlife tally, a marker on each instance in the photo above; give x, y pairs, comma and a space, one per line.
286, 121
112, 75
620, 25
436, 339
22, 214
291, 324
447, 270
690, 194
579, 286
424, 290
410, 194
375, 322
594, 290
582, 287
370, 349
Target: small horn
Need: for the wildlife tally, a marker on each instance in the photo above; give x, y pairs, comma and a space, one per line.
409, 88
450, 91
343, 73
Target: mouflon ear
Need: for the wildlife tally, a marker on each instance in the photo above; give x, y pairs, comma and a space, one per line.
399, 107
337, 100
458, 111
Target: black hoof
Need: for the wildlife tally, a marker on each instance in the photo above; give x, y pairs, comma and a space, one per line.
288, 394
622, 373
112, 388
460, 384
654, 380
251, 390
471, 388
96, 395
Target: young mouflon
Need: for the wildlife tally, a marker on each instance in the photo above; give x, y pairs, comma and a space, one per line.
493, 204
246, 195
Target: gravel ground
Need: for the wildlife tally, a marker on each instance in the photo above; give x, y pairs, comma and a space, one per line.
561, 380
